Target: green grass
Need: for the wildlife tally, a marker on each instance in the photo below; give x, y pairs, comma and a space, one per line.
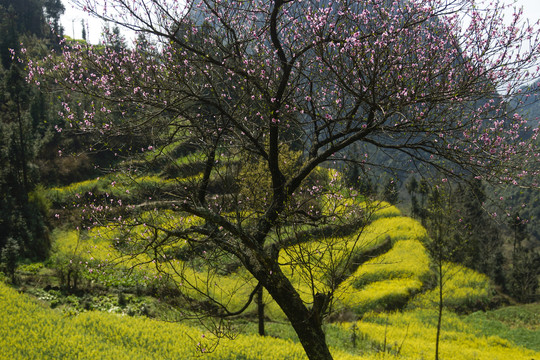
519, 324
412, 335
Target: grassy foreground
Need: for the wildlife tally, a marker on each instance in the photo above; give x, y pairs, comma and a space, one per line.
31, 331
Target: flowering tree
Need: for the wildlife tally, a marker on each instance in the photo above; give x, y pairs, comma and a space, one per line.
275, 81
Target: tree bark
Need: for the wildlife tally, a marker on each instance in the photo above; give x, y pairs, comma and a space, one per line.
440, 309
305, 322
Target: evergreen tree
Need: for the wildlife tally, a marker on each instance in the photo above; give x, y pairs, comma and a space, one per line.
83, 35
359, 180
26, 15
523, 277
419, 192
114, 38
483, 240
53, 10
9, 256
21, 140
478, 243
390, 191
25, 127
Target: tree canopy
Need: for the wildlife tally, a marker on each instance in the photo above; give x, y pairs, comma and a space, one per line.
24, 127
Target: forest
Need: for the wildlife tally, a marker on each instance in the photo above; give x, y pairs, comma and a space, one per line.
270, 179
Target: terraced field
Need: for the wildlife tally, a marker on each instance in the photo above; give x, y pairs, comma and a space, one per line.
381, 276
396, 279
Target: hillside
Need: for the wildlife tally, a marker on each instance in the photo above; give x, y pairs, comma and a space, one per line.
397, 279
99, 281
116, 269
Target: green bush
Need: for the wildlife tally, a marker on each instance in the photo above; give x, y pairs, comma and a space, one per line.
9, 256
31, 269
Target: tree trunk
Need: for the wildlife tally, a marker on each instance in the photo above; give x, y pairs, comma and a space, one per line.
260, 311
307, 325
440, 314
22, 149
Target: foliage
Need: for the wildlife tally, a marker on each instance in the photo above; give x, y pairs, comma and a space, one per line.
32, 268
519, 324
522, 278
523, 282
460, 226
9, 257
256, 178
26, 124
